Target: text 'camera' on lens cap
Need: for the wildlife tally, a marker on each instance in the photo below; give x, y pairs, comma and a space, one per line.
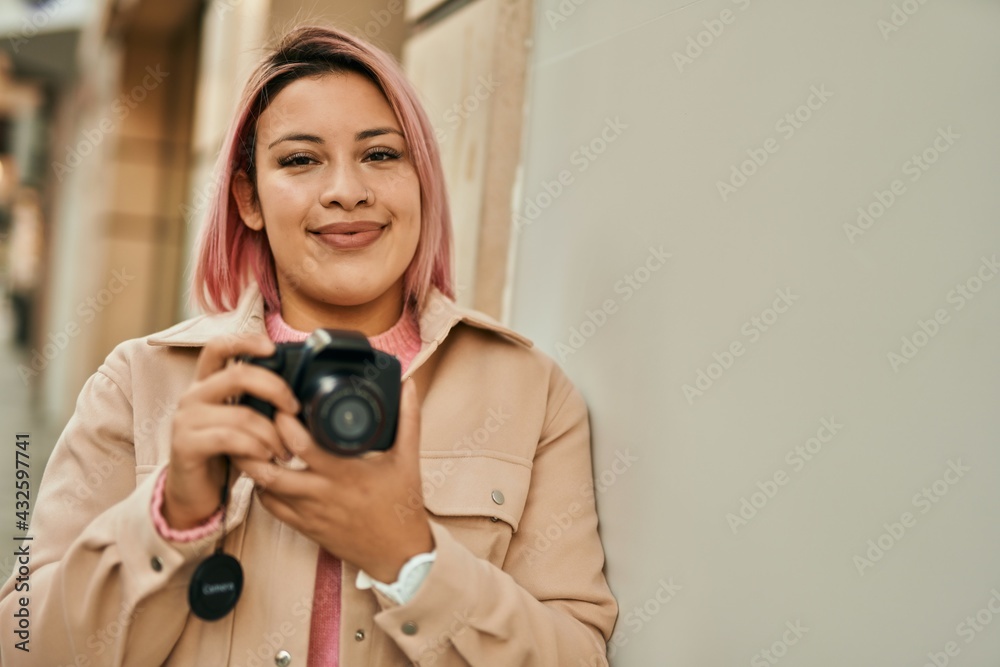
215, 587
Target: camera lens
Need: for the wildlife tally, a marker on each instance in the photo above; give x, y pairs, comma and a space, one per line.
348, 391
345, 415
352, 419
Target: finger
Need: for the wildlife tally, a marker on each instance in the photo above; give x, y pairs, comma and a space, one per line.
278, 508
276, 479
215, 353
299, 441
263, 474
239, 379
216, 440
239, 418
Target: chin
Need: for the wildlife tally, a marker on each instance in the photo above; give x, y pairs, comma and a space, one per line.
349, 300
353, 296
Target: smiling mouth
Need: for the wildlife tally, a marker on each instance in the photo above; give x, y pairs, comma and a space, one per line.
354, 227
346, 232
349, 240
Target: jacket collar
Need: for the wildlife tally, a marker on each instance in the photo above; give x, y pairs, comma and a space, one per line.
439, 316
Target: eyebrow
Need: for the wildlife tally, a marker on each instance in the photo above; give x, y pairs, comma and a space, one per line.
366, 134
312, 138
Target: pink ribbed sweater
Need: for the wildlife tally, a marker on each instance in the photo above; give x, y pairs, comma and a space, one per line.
403, 341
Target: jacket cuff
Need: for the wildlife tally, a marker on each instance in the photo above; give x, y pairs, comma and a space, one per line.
444, 605
147, 556
209, 527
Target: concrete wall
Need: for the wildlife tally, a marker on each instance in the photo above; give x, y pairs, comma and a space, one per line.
794, 405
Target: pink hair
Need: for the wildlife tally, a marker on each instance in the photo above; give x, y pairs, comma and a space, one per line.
229, 251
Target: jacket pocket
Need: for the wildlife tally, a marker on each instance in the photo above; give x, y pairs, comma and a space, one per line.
479, 496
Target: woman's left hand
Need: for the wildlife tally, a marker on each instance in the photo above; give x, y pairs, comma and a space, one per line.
368, 510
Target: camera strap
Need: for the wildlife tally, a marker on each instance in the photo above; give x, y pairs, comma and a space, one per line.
217, 583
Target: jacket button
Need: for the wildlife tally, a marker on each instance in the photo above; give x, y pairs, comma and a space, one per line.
282, 658
156, 563
359, 635
497, 496
409, 628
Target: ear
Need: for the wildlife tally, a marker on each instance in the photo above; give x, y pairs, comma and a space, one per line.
243, 193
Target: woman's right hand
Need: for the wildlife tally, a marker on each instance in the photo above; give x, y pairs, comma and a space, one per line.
206, 427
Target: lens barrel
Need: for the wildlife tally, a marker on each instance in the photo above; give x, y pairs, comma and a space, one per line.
345, 414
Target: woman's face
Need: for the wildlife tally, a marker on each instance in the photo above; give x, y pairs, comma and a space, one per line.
337, 194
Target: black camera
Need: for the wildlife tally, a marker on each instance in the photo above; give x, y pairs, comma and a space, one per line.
348, 391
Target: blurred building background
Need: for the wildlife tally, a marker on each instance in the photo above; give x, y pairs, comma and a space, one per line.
113, 112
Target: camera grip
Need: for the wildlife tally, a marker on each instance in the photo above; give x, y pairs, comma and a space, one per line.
274, 363
259, 405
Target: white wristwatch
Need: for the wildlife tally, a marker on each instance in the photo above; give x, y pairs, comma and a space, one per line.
411, 575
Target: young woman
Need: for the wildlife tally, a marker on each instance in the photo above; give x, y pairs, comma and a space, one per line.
472, 541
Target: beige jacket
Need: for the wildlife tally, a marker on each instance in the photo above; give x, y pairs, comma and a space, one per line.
507, 478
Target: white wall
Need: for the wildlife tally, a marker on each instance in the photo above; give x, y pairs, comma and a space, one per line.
691, 459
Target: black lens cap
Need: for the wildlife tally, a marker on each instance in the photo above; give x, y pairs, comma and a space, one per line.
215, 587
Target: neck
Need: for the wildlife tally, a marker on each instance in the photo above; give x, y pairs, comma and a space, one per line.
371, 319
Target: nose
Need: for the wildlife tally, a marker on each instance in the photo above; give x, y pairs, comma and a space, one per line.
345, 187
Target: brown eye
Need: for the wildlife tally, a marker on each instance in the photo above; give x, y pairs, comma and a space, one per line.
382, 154
295, 160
